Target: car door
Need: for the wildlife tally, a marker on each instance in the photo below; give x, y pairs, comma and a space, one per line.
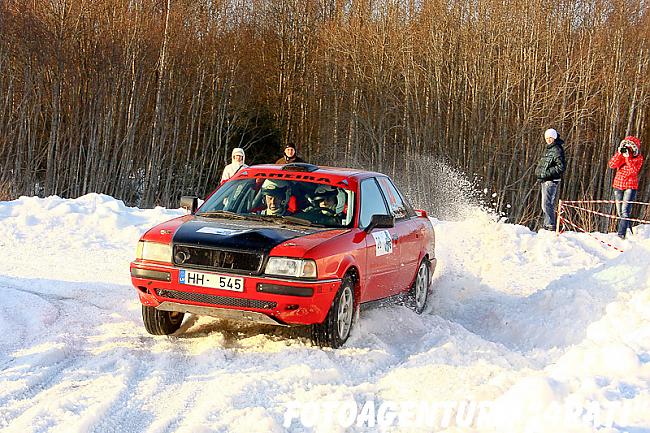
408, 230
381, 250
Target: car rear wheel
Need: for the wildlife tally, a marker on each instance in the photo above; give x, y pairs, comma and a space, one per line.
335, 329
158, 322
420, 290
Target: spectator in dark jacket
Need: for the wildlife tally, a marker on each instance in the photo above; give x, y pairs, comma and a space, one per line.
549, 172
627, 161
289, 155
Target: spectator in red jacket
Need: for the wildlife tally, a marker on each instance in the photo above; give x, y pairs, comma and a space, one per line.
627, 162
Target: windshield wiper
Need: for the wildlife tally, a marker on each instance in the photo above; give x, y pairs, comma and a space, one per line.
291, 219
233, 215
274, 218
222, 213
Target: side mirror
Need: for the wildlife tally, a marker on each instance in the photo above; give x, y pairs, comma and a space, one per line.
421, 213
380, 222
190, 203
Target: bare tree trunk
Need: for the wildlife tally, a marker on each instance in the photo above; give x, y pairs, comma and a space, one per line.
152, 178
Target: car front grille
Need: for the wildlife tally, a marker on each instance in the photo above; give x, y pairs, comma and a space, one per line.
225, 301
220, 260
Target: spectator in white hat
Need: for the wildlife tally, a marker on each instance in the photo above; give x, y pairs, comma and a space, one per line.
238, 158
549, 171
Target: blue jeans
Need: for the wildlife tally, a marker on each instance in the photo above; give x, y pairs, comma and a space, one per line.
623, 208
549, 191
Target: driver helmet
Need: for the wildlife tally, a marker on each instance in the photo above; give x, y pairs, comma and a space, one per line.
276, 188
323, 192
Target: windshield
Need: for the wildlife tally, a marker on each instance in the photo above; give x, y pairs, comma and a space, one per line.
293, 201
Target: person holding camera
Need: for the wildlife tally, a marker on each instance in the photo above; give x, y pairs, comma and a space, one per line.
627, 162
549, 171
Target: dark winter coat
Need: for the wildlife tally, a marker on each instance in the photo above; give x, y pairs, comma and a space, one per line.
285, 160
552, 164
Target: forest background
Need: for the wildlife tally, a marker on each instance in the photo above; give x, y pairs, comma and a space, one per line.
145, 99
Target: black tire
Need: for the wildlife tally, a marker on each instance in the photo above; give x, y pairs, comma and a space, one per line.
158, 322
419, 293
336, 328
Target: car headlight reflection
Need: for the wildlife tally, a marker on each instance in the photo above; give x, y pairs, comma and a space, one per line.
291, 267
154, 251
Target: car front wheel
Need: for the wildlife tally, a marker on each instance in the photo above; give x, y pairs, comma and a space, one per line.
420, 289
158, 322
335, 329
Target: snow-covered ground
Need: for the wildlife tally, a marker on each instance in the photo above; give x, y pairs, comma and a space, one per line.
528, 332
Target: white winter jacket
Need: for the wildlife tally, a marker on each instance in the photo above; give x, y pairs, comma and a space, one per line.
232, 168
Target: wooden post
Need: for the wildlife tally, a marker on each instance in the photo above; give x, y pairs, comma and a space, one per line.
559, 218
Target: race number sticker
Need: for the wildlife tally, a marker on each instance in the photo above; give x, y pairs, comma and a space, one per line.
219, 231
383, 243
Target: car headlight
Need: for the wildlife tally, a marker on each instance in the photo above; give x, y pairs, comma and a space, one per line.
154, 251
291, 267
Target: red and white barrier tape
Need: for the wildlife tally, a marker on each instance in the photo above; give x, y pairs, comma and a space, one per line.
606, 214
602, 201
565, 220
562, 220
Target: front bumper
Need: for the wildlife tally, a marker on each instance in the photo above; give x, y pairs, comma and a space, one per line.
264, 299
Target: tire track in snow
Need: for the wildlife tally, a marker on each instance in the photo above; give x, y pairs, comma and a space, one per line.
20, 323
51, 367
127, 407
53, 355
376, 333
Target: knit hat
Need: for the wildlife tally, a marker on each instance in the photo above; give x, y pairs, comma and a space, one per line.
551, 133
633, 143
291, 145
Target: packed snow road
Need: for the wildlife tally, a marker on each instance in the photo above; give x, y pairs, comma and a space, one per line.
545, 333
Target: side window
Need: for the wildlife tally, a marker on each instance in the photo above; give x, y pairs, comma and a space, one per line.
372, 202
395, 202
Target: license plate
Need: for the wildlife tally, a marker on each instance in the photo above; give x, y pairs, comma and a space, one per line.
213, 281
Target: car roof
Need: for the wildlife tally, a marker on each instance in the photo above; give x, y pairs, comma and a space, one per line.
320, 169
333, 173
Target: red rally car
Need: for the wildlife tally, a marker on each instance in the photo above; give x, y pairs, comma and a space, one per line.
286, 245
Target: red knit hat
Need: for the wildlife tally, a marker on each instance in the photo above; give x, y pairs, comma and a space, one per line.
632, 142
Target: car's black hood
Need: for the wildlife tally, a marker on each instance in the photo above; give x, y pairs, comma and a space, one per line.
239, 235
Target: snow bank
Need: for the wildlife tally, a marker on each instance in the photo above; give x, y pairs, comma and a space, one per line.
527, 332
